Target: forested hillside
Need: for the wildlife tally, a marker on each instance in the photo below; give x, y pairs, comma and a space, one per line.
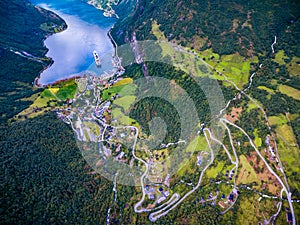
247, 27
225, 34
230, 27
23, 28
44, 177
45, 180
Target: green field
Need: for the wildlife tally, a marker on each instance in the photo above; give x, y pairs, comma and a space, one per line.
197, 144
257, 140
271, 91
122, 90
287, 150
289, 91
108, 93
246, 211
247, 173
187, 62
212, 172
236, 68
118, 115
125, 102
251, 105
47, 94
67, 91
293, 67
289, 157
286, 132
41, 102
210, 56
277, 120
156, 31
48, 98
126, 90
280, 57
63, 91
167, 50
182, 168
40, 105
251, 209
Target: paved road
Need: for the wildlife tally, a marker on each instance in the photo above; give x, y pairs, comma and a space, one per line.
152, 216
289, 194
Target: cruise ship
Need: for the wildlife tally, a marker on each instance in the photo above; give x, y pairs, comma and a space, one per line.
97, 59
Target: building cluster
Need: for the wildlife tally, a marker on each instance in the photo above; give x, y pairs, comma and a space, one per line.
270, 152
157, 194
229, 174
101, 109
229, 200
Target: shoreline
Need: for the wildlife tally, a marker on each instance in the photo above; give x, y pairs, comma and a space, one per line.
64, 27
112, 41
51, 15
36, 82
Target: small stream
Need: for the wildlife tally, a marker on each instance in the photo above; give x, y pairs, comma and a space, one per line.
115, 199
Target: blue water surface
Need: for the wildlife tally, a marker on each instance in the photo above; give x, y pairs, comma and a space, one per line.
72, 49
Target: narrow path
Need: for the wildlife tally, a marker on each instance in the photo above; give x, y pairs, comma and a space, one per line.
115, 199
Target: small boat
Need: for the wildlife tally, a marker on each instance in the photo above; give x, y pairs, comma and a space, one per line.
96, 58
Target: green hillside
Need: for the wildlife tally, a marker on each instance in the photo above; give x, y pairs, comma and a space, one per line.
20, 32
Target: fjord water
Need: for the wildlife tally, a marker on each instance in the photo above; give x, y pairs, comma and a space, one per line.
72, 49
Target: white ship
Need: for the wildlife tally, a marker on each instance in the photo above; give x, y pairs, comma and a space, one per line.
96, 58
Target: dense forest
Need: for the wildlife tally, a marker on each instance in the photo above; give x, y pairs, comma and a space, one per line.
44, 177
226, 26
24, 26
151, 107
19, 32
229, 27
